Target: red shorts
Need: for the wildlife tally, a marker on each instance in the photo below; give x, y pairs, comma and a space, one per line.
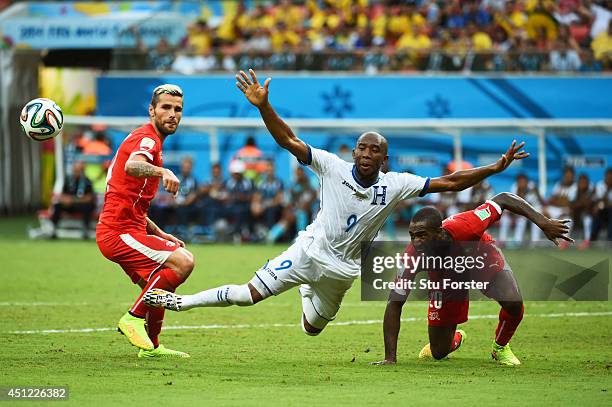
447, 313
136, 252
455, 311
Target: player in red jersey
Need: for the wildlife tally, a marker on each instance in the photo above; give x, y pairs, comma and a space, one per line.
126, 236
429, 234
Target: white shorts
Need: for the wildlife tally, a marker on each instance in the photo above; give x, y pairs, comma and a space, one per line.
294, 267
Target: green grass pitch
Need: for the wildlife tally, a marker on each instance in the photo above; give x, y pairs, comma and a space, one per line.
259, 355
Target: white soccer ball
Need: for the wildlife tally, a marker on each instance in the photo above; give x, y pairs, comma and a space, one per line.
41, 119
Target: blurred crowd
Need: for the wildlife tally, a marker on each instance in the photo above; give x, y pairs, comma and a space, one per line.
396, 35
250, 205
247, 202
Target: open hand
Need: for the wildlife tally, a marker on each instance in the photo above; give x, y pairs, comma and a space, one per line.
557, 229
254, 92
383, 362
513, 153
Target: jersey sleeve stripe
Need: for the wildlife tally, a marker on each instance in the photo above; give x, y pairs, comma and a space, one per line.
309, 160
495, 205
145, 153
425, 188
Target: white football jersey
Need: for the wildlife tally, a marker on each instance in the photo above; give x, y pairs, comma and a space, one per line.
351, 213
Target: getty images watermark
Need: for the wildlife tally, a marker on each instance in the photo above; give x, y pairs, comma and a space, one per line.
411, 264
480, 270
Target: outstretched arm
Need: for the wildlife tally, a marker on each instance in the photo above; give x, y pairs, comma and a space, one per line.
460, 180
391, 328
553, 228
282, 133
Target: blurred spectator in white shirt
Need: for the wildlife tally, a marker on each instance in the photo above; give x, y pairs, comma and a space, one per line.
602, 207
582, 208
563, 58
527, 190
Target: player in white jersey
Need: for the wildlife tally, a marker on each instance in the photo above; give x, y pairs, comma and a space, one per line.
356, 199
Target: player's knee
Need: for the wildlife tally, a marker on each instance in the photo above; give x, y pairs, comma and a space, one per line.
185, 264
440, 352
309, 329
258, 290
255, 294
439, 355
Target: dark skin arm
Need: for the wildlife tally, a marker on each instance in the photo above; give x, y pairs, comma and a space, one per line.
553, 228
282, 133
391, 328
460, 180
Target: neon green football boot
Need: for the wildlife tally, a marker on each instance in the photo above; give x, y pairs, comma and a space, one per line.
426, 351
134, 330
504, 355
162, 352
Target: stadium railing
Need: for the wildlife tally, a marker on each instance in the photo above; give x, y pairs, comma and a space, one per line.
364, 59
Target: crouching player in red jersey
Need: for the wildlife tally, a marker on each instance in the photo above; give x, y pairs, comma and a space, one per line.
126, 236
427, 231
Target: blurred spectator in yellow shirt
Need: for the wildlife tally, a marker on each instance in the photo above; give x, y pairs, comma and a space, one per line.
379, 25
398, 23
199, 37
259, 17
289, 14
414, 41
512, 19
359, 17
281, 35
481, 41
229, 29
602, 46
540, 19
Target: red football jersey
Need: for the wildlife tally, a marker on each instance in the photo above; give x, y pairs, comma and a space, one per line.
472, 225
127, 198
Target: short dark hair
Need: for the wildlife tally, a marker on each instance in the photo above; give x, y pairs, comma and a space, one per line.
167, 89
430, 215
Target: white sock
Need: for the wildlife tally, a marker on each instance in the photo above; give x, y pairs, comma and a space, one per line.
223, 296
587, 222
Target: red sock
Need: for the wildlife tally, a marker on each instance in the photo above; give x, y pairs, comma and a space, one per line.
166, 279
155, 319
456, 341
507, 326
